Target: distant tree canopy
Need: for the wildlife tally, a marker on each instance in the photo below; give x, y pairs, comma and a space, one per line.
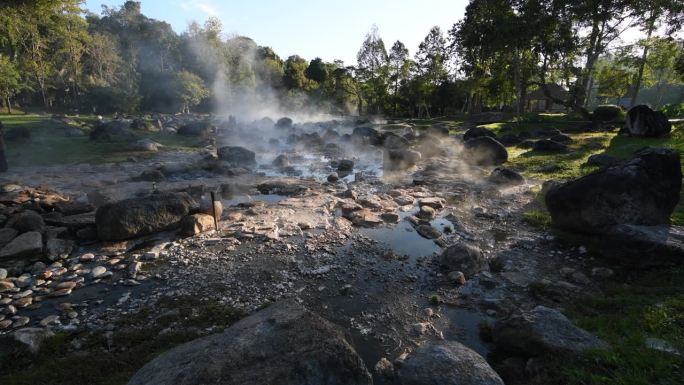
56, 56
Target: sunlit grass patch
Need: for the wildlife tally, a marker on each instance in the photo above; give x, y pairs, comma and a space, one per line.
49, 145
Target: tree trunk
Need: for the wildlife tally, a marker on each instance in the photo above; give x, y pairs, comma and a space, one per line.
3, 158
9, 106
642, 64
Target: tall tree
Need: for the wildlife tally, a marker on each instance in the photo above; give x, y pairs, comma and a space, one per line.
372, 69
10, 82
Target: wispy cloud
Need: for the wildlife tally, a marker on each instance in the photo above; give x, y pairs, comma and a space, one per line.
205, 6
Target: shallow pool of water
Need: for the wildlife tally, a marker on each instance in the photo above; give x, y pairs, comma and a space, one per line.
403, 239
267, 198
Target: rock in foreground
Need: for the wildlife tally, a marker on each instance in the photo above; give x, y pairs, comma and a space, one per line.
542, 331
642, 191
284, 344
446, 363
141, 216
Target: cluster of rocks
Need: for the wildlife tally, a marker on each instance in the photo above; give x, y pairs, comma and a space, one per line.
39, 223
39, 283
292, 345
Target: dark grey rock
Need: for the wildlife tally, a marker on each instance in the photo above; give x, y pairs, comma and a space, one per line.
463, 257
446, 363
506, 177
485, 151
543, 331
643, 121
281, 161
27, 220
643, 246
284, 344
642, 191
400, 159
477, 132
284, 123
367, 134
237, 156
198, 129
26, 245
141, 216
601, 160
345, 165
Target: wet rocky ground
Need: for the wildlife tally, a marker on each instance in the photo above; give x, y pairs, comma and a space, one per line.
365, 250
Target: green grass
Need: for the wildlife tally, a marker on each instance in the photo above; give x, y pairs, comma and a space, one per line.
136, 341
49, 145
538, 218
647, 304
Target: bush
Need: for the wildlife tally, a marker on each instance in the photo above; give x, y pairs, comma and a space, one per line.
608, 113
674, 110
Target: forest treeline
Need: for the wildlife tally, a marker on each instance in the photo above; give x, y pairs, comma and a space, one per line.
56, 56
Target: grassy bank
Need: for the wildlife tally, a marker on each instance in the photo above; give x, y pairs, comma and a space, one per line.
50, 145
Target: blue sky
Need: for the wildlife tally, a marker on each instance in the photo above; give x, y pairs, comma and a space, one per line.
327, 29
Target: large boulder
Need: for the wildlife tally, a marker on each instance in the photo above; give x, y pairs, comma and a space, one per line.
642, 191
237, 156
543, 331
446, 363
476, 132
283, 344
485, 151
643, 121
26, 245
463, 257
140, 216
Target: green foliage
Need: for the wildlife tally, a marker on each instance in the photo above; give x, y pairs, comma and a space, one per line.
10, 81
317, 71
608, 113
538, 218
190, 90
673, 110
